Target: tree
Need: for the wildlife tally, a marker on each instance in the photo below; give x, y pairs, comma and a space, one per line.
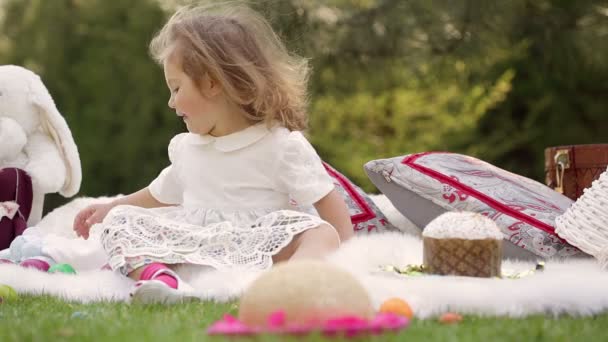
558, 88
499, 80
93, 57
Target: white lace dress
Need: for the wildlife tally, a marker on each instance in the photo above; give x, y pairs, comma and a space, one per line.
238, 200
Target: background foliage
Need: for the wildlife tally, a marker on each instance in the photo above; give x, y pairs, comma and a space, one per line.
500, 80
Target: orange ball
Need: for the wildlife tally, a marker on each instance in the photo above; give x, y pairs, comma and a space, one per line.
397, 306
450, 318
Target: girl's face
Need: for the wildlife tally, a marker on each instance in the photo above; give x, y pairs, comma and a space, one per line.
204, 109
188, 100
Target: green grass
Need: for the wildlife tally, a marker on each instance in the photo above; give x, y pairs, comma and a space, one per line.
49, 319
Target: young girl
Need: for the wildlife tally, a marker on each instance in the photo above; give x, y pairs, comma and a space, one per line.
244, 187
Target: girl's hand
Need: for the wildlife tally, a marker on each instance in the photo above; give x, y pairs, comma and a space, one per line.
89, 216
95, 213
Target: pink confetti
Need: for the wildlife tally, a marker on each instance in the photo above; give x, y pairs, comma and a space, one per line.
347, 326
230, 326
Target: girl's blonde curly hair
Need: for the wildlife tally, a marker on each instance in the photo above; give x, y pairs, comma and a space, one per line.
237, 47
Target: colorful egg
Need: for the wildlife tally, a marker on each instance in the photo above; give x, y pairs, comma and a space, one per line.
62, 268
7, 293
450, 318
397, 306
37, 263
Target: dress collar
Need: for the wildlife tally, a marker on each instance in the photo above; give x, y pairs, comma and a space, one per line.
234, 141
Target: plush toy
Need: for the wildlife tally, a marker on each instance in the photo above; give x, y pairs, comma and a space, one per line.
35, 139
53, 241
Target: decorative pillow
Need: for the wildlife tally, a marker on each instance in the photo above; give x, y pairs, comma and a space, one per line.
424, 185
364, 214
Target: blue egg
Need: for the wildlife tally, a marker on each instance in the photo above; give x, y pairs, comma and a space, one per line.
79, 314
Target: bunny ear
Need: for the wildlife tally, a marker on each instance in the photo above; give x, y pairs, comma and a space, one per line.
55, 125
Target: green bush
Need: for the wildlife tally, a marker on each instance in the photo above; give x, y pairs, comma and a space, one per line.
499, 80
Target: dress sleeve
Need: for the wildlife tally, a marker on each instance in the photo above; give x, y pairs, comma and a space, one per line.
301, 173
167, 188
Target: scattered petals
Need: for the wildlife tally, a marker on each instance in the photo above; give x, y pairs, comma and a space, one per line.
347, 326
276, 319
229, 325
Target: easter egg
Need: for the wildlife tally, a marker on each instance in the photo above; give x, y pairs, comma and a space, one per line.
450, 318
79, 315
37, 263
307, 292
7, 293
397, 306
62, 268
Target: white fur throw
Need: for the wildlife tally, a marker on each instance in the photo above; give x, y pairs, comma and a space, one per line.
574, 287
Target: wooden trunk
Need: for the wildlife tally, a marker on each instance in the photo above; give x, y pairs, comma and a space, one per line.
570, 169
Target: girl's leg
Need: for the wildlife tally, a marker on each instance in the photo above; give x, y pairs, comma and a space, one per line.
153, 271
313, 243
136, 273
157, 283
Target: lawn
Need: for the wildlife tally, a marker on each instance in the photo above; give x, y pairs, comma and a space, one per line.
49, 319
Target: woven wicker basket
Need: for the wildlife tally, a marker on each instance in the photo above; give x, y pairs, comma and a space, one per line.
585, 223
473, 258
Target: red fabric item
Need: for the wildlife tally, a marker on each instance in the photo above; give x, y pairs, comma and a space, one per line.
365, 216
15, 186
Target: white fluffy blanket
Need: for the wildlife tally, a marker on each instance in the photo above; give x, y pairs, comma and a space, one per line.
576, 287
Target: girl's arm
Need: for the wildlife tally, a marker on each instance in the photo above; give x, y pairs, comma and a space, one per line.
332, 209
95, 213
142, 198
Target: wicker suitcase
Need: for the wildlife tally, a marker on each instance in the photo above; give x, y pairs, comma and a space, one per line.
570, 169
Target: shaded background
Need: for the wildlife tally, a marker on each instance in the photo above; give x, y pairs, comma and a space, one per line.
499, 80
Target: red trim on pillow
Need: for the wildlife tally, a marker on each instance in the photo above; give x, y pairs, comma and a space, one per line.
367, 213
410, 161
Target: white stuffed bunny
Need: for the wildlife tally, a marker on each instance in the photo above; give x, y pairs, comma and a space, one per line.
34, 137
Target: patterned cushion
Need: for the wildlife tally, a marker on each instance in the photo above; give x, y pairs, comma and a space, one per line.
423, 185
364, 214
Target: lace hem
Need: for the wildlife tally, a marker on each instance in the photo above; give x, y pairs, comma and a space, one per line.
132, 232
